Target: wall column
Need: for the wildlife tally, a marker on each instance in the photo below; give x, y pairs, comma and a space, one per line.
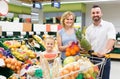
41, 16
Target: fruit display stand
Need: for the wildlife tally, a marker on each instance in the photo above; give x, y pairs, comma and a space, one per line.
16, 36
19, 50
114, 56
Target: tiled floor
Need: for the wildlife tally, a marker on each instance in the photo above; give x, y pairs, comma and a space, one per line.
115, 69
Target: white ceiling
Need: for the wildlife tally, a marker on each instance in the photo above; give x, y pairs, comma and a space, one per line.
76, 1
94, 1
81, 1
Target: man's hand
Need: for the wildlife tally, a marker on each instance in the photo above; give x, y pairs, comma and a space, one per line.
98, 54
101, 54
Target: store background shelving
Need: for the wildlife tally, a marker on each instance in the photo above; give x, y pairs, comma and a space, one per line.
47, 18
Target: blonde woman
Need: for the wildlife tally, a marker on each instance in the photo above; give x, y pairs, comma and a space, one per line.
66, 35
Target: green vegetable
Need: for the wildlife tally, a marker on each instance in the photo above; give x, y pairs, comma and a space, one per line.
38, 73
80, 76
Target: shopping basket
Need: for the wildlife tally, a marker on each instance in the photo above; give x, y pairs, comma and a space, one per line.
95, 59
99, 62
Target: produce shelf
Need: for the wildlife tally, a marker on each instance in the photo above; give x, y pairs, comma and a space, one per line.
115, 56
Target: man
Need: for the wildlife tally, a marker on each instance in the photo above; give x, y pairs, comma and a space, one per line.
101, 35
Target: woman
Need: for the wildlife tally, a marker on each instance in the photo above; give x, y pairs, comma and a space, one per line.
66, 35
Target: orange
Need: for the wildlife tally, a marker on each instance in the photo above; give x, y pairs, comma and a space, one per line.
64, 71
67, 49
67, 53
76, 48
1, 55
4, 57
73, 52
70, 68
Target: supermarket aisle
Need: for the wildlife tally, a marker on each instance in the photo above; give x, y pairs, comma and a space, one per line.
115, 69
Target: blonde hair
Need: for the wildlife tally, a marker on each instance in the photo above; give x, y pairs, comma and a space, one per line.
66, 15
49, 37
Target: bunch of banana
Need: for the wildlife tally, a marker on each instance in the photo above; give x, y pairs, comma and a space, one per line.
39, 41
37, 38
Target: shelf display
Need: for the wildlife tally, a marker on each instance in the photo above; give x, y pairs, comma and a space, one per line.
15, 19
115, 53
15, 53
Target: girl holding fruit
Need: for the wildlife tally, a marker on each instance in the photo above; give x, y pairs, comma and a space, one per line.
51, 52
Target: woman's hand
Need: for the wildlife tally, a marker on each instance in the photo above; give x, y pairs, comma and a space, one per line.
70, 43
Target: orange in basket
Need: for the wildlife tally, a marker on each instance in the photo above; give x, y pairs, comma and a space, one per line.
72, 67
64, 71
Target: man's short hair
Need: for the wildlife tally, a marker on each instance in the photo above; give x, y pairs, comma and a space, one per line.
95, 6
